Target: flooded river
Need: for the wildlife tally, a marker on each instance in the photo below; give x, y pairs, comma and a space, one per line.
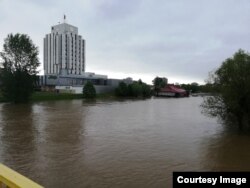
116, 143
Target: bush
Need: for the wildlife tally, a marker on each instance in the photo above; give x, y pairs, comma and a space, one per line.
136, 89
122, 89
146, 91
89, 91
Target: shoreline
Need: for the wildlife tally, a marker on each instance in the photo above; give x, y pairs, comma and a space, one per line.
39, 96
52, 96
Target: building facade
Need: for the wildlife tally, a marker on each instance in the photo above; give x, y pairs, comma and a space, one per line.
64, 63
64, 51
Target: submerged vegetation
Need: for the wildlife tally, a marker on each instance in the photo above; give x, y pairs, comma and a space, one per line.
136, 89
231, 91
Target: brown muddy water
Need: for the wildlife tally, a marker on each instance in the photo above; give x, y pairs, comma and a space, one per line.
116, 143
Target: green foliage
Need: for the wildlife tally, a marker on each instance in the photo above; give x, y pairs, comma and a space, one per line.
232, 85
122, 89
136, 89
159, 83
19, 62
193, 87
146, 90
196, 88
89, 91
207, 88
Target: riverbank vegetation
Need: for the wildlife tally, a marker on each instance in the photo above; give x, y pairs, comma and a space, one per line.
136, 89
53, 96
2, 99
19, 62
231, 91
89, 91
159, 83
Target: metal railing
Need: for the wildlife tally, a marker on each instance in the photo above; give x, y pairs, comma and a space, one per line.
11, 179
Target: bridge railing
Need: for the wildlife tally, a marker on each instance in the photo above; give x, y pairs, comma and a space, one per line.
12, 179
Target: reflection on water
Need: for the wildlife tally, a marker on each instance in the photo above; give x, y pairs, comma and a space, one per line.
115, 144
229, 151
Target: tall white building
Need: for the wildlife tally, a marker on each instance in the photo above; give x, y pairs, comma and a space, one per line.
64, 63
64, 51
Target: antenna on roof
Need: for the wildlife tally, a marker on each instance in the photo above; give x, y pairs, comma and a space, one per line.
64, 18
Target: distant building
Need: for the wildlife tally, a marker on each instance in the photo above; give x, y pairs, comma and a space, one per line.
64, 63
64, 51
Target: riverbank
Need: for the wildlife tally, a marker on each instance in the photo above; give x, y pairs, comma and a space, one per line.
52, 96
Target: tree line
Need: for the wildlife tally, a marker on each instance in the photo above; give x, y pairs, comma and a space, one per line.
135, 89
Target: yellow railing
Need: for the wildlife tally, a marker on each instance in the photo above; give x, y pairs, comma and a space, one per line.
11, 179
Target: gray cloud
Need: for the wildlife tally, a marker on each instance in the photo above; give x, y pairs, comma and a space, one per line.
117, 9
178, 39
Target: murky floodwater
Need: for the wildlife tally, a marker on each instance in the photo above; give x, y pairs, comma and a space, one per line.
116, 144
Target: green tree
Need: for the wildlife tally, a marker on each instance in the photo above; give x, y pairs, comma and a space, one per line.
187, 87
231, 81
122, 90
159, 83
136, 89
207, 88
195, 87
89, 91
146, 90
19, 61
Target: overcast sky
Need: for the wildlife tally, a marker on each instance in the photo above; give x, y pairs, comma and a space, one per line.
182, 40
